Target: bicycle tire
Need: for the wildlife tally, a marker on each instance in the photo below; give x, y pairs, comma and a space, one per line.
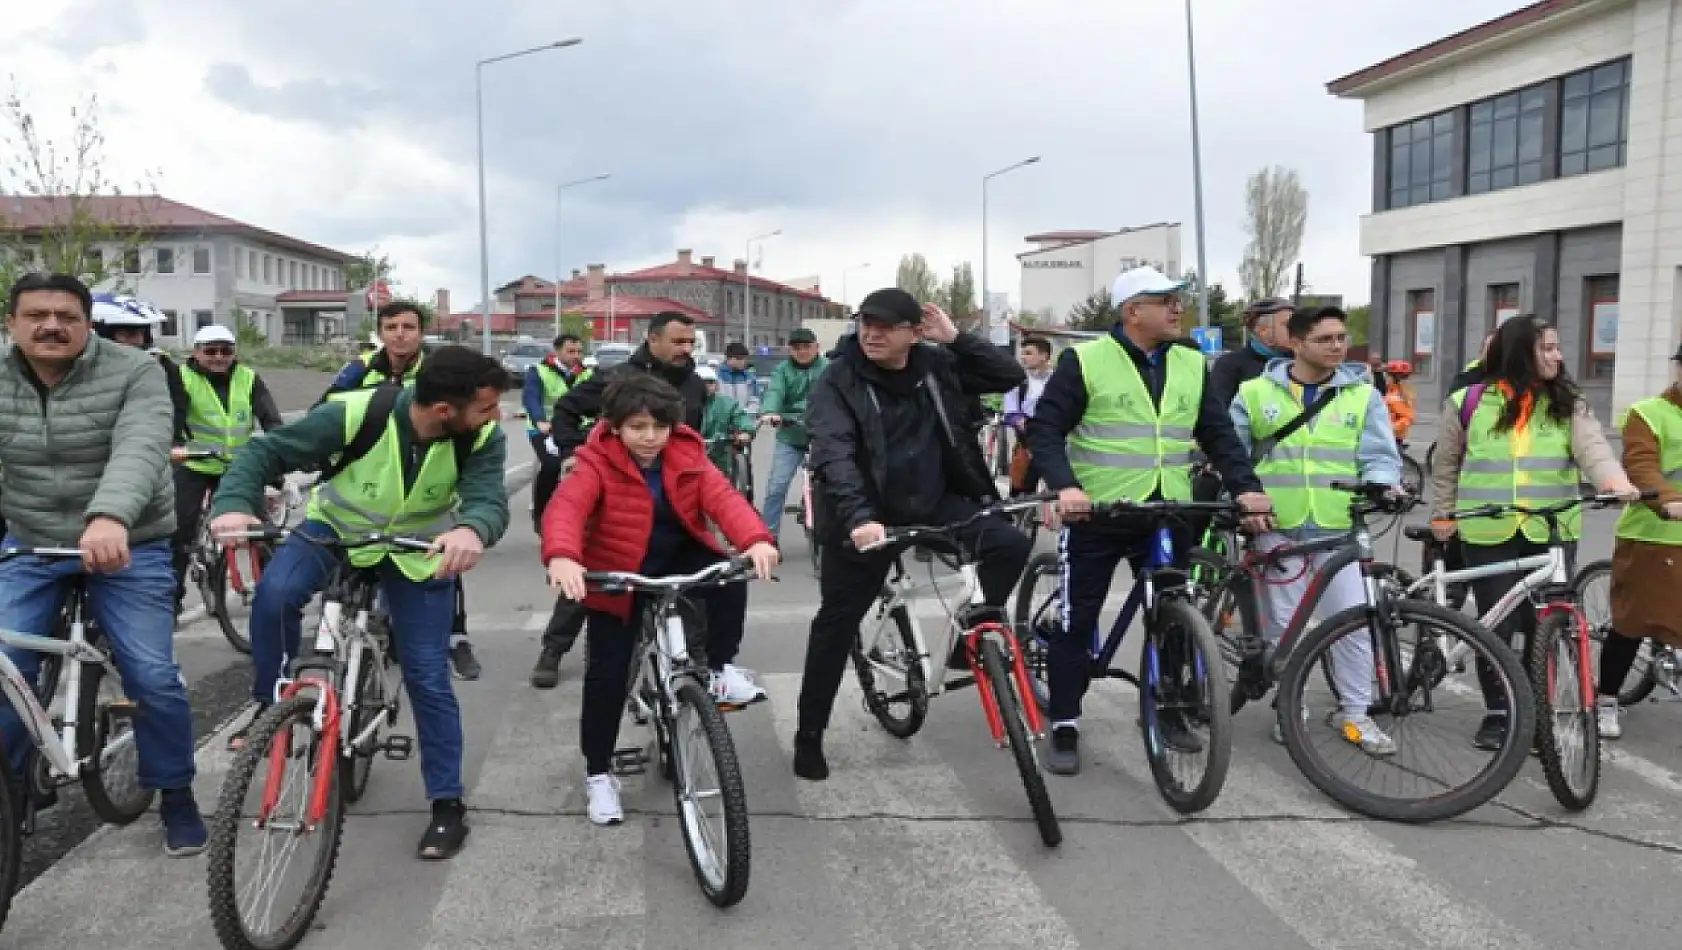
1173, 610
359, 766
225, 826
1009, 708
1306, 657
216, 583
52, 665
115, 803
1413, 476
737, 843
11, 840
1573, 792
1028, 632
916, 685
1220, 607
1637, 685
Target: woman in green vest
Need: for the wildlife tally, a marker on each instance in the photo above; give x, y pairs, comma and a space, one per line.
1524, 435
1646, 568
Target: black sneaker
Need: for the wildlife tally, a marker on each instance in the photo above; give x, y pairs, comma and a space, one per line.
547, 672
465, 663
1172, 727
1064, 756
447, 832
809, 762
1492, 734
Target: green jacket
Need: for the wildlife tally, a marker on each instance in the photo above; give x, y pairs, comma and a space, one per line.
312, 441
97, 444
786, 396
721, 417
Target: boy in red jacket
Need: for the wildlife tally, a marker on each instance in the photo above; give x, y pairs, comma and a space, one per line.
643, 491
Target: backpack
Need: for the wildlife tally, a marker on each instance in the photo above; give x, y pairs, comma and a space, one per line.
373, 429
1469, 405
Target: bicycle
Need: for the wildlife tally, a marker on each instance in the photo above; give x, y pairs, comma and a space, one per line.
1656, 665
1567, 728
1406, 676
896, 649
328, 716
739, 471
216, 571
92, 741
1181, 680
669, 694
802, 508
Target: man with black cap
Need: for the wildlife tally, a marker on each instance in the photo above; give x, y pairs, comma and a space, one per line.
889, 448
784, 406
1266, 323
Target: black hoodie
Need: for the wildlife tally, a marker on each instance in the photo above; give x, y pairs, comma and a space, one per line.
584, 401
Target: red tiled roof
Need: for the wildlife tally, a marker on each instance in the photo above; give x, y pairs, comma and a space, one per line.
678, 270
500, 322
1535, 13
313, 296
146, 212
628, 307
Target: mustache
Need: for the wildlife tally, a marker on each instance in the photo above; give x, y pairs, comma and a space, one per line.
56, 336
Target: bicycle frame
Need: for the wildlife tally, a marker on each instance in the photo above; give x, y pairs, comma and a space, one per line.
59, 748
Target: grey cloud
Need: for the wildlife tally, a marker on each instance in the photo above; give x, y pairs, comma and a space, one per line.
88, 26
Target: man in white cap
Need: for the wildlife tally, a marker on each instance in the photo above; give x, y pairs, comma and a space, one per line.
1119, 419
223, 404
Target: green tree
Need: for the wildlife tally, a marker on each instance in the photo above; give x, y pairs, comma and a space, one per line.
958, 297
1360, 324
917, 279
250, 336
371, 266
1097, 312
577, 324
1275, 216
74, 227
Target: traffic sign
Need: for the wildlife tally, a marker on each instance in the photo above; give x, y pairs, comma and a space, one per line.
1208, 338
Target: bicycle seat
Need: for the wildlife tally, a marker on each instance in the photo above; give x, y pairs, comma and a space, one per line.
1418, 532
974, 616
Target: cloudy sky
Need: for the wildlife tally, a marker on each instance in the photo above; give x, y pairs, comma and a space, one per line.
861, 128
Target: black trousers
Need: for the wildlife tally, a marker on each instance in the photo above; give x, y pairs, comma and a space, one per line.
191, 489
613, 644
544, 483
851, 582
565, 624
1488, 592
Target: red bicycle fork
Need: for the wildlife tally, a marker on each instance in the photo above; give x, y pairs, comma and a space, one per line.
238, 581
1018, 675
280, 750
1585, 661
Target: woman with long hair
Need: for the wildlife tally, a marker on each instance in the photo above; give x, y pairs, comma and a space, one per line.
1524, 435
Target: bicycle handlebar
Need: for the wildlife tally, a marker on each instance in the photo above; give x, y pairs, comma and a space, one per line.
622, 582
1595, 499
55, 553
271, 533
203, 455
913, 532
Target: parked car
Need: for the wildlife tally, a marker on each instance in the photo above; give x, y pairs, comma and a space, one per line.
612, 354
521, 357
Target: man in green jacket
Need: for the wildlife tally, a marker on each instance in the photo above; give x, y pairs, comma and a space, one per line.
723, 420
84, 463
435, 471
784, 406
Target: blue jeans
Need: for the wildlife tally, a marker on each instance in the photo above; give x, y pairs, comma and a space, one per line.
785, 463
135, 607
420, 619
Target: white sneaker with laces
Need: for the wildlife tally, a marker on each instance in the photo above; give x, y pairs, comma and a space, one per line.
604, 799
734, 686
1360, 730
1606, 714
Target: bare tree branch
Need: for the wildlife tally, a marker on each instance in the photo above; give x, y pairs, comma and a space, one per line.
1276, 214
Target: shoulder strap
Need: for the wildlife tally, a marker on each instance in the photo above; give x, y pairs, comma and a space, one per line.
1469, 405
368, 434
1261, 449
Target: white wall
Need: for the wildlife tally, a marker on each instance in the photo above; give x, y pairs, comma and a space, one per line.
1561, 204
1064, 277
280, 278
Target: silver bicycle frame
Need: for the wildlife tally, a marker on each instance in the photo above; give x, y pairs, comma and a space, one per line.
1545, 569
60, 750
904, 594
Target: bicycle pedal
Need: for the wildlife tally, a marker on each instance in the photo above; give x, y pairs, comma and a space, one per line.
121, 708
398, 748
631, 761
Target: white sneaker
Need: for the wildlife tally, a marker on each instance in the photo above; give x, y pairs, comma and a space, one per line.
604, 799
1606, 713
1362, 731
734, 686
1279, 724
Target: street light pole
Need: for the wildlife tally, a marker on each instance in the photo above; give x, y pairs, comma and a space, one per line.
484, 229
747, 286
1197, 177
560, 266
846, 300
986, 311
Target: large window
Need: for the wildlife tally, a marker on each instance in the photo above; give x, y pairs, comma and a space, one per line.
1600, 356
164, 260
1504, 141
1422, 330
201, 260
169, 328
1594, 119
1422, 160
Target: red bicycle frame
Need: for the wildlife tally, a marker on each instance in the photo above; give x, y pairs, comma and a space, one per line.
328, 756
1585, 662
1018, 674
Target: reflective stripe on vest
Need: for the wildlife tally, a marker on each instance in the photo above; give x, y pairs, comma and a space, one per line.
1298, 473
554, 387
1124, 446
1638, 522
213, 427
368, 496
1533, 469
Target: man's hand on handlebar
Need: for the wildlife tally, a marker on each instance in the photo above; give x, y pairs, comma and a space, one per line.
771, 419
765, 558
1074, 504
869, 534
104, 545
230, 528
1621, 486
1258, 509
461, 549
567, 576
178, 453
1444, 530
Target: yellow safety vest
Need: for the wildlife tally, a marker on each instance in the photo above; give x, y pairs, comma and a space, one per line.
374, 377
1124, 446
554, 387
1501, 469
213, 427
1638, 522
1299, 472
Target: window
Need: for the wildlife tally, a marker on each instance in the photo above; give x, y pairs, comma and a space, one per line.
309, 277
1422, 160
131, 261
202, 319
1422, 330
201, 260
164, 260
1594, 119
1503, 304
1504, 142
292, 274
251, 265
1600, 294
169, 327
239, 265
268, 269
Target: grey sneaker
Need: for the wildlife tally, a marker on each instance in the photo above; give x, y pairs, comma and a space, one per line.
1063, 758
1606, 716
1362, 731
465, 663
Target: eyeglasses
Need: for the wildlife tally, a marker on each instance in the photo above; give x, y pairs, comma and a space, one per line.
1336, 339
217, 350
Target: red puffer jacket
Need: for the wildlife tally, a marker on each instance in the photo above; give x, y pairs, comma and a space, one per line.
606, 500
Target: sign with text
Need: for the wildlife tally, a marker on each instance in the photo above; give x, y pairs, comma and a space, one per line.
1208, 338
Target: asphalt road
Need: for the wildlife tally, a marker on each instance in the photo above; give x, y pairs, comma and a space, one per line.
924, 843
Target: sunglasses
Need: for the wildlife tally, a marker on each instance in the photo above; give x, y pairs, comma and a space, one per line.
217, 350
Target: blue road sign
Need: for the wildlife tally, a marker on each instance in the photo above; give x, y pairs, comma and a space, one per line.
1208, 338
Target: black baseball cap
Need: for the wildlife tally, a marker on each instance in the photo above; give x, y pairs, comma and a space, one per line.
802, 335
891, 305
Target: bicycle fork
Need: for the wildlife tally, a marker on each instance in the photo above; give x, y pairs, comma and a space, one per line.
1585, 662
1018, 676
325, 723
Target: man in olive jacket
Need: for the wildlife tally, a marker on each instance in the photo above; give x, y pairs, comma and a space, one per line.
784, 406
84, 463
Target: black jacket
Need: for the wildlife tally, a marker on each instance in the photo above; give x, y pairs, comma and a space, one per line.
848, 452
1470, 376
1233, 370
1063, 404
584, 401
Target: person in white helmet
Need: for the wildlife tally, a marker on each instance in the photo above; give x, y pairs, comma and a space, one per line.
132, 326
222, 405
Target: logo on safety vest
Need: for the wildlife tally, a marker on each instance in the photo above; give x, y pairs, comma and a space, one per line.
1349, 420
370, 489
433, 491
1270, 412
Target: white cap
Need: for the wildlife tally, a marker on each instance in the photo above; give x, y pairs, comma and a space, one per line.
707, 373
215, 333
1140, 281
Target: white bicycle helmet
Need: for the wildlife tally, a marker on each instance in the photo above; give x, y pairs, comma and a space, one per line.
123, 311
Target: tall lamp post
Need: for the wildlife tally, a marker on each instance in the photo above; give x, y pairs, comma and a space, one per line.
1197, 177
846, 301
986, 311
484, 240
747, 286
559, 266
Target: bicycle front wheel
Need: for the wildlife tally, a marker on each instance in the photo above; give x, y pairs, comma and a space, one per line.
11, 840
1039, 597
1421, 764
1183, 708
265, 889
219, 600
1008, 705
891, 653
1567, 727
105, 734
712, 803
1593, 585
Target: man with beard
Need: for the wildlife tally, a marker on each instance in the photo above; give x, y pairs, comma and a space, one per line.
433, 470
